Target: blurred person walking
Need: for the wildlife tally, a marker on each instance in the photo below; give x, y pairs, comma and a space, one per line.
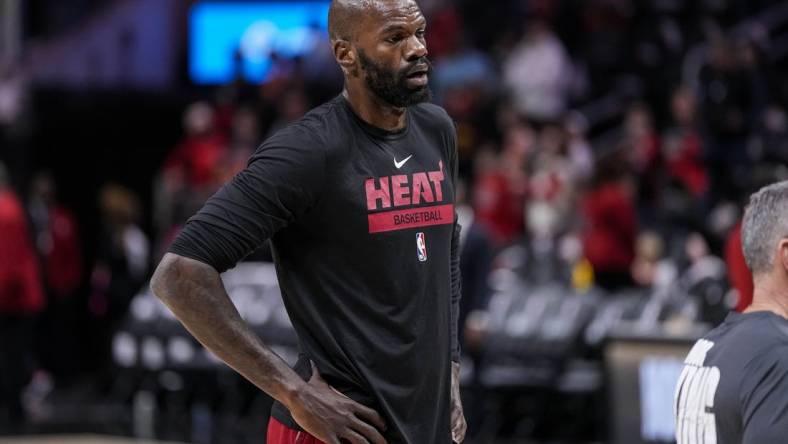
57, 240
735, 380
358, 200
120, 269
21, 299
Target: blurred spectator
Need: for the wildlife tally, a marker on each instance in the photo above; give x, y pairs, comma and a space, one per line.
476, 250
57, 239
193, 162
610, 225
682, 145
21, 299
771, 141
581, 157
191, 171
56, 236
500, 192
538, 74
642, 144
727, 102
244, 138
121, 266
650, 268
705, 276
550, 185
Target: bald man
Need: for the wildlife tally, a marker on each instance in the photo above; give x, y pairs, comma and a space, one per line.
358, 200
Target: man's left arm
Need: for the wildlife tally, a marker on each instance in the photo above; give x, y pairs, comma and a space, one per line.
458, 425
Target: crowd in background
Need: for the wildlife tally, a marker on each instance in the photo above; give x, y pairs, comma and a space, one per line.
616, 199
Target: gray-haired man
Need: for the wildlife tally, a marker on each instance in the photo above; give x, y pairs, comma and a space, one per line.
734, 387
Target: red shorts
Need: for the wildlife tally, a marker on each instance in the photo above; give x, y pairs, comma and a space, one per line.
279, 433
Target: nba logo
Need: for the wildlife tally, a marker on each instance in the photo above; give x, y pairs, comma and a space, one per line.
421, 247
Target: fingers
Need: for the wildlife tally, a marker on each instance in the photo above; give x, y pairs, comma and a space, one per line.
458, 425
370, 433
458, 428
355, 438
370, 416
338, 392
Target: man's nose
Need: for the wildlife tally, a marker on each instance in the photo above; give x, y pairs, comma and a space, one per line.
416, 49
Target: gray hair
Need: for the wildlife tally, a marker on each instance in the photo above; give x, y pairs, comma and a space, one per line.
765, 224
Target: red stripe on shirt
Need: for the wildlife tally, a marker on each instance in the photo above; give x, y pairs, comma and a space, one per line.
411, 218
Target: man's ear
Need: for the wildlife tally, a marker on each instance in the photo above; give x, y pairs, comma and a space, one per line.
782, 254
345, 56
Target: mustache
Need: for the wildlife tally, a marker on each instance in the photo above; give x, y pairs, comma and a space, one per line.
422, 64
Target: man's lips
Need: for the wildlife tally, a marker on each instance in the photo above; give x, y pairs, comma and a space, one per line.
418, 79
418, 71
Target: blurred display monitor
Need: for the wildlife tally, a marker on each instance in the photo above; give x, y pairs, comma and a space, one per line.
642, 372
238, 38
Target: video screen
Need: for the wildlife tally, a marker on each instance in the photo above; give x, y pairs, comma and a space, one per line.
643, 377
238, 38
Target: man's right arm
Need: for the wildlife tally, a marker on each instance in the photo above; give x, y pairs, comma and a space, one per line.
195, 294
281, 182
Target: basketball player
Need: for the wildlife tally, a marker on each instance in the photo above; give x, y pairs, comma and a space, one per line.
734, 386
358, 200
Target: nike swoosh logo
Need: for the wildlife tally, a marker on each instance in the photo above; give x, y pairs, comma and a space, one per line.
401, 162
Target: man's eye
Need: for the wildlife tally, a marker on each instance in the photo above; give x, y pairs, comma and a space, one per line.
395, 39
420, 34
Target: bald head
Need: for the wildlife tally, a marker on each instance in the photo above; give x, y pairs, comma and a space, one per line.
344, 16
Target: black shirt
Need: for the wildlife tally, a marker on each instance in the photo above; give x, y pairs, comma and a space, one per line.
364, 237
734, 386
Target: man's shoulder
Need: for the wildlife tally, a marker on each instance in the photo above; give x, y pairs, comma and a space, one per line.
751, 337
323, 117
315, 130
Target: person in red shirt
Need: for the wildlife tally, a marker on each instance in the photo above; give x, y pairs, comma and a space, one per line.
21, 298
610, 226
500, 193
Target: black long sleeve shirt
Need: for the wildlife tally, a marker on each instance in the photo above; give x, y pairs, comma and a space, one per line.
365, 240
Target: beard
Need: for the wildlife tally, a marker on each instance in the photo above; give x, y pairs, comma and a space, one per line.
391, 85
